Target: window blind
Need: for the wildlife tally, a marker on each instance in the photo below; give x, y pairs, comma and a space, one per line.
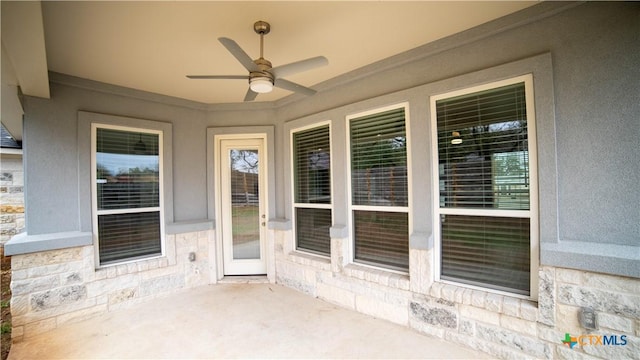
127, 169
488, 165
312, 170
487, 251
312, 230
312, 189
483, 160
125, 236
127, 194
378, 182
382, 238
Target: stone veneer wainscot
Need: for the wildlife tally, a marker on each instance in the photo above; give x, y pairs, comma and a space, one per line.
61, 286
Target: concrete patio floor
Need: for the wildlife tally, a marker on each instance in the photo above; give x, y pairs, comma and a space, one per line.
236, 321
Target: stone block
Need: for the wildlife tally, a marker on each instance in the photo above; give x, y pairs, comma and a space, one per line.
615, 322
107, 286
467, 327
493, 302
59, 296
336, 295
19, 274
121, 269
420, 270
622, 304
296, 284
438, 316
448, 292
550, 334
466, 296
546, 296
59, 268
511, 306
436, 289
426, 328
482, 315
568, 318
569, 276
70, 278
19, 305
528, 310
46, 258
518, 325
28, 286
478, 298
374, 307
121, 295
459, 295
612, 283
529, 345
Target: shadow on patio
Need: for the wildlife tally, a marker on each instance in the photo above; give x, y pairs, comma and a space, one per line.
236, 321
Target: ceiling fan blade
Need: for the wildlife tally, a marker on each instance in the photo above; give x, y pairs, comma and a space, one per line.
241, 77
291, 86
251, 95
299, 66
239, 54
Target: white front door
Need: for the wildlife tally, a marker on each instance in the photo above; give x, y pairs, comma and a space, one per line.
242, 190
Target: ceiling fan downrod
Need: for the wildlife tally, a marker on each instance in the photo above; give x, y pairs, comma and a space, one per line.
262, 28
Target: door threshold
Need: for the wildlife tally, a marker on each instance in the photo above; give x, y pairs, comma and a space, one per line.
244, 279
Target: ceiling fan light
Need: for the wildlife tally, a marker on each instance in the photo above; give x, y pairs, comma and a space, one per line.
261, 84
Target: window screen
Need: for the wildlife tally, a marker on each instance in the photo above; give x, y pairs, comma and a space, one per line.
127, 168
312, 189
483, 158
378, 183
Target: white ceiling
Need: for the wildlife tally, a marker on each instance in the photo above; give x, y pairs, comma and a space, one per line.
151, 45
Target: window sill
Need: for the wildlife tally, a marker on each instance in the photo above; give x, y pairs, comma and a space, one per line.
132, 267
316, 261
25, 244
384, 277
498, 303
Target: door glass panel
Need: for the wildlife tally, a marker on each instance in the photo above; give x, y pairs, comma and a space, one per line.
245, 203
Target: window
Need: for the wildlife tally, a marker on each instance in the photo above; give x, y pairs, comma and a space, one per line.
379, 188
312, 189
127, 188
487, 187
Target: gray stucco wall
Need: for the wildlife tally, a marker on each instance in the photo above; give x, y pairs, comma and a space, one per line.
591, 179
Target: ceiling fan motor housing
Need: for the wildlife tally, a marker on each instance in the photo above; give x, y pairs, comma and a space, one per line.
265, 69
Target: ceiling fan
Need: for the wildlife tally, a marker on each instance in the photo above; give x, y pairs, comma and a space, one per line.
262, 76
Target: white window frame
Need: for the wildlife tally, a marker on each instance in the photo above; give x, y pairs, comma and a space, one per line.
94, 191
400, 209
295, 204
532, 213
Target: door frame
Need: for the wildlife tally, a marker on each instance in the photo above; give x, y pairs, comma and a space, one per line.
248, 266
214, 137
